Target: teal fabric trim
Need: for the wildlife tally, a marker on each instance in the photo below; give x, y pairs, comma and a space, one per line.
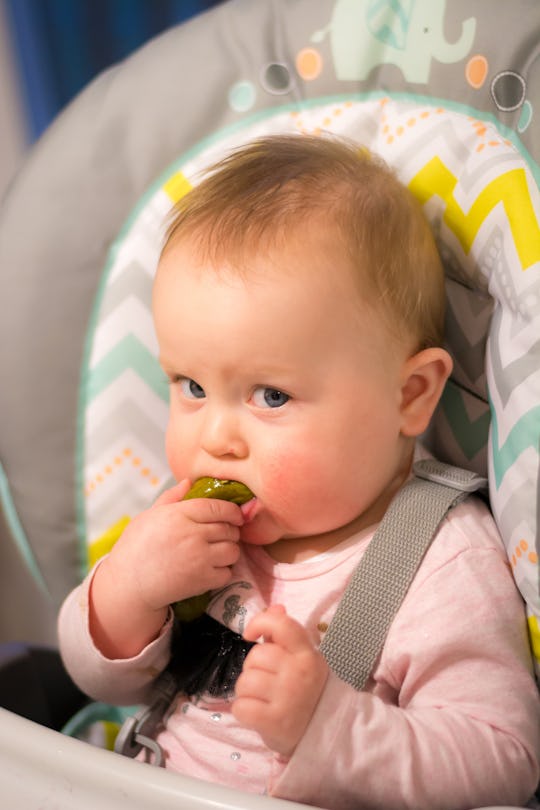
18, 533
96, 713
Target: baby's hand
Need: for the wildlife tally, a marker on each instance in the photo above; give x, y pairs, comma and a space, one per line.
281, 682
172, 551
177, 548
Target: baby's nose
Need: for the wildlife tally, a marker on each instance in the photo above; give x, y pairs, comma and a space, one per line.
222, 436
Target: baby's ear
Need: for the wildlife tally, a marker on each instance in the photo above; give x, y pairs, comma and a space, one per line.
423, 378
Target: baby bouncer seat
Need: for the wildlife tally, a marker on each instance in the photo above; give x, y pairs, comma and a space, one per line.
447, 93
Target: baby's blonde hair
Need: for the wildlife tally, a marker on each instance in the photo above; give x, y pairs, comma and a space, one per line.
266, 192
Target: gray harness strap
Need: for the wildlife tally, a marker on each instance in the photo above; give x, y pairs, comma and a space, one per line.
356, 635
378, 586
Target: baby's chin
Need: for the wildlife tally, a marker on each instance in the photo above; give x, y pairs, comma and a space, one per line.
255, 534
258, 530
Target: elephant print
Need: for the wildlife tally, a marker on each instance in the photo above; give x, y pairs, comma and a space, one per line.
405, 33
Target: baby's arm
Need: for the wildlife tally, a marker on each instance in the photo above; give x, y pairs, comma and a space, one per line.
172, 551
281, 682
121, 681
452, 717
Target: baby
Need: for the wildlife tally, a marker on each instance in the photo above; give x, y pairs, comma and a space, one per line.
299, 308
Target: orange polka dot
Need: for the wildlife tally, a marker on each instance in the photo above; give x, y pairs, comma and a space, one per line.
533, 558
524, 545
309, 63
476, 71
411, 122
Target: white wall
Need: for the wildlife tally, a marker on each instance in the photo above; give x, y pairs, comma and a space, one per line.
13, 141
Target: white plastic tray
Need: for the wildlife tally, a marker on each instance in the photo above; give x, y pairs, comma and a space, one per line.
44, 769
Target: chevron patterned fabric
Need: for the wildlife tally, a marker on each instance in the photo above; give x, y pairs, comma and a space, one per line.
482, 200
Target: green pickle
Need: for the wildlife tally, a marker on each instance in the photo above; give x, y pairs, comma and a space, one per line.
223, 490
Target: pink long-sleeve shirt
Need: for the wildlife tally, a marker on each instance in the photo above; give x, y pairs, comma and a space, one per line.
449, 719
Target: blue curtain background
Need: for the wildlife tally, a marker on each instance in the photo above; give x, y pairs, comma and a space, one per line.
62, 44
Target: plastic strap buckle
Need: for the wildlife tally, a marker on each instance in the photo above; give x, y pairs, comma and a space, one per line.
449, 476
138, 731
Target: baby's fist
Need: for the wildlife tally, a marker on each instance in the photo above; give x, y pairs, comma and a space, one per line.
281, 682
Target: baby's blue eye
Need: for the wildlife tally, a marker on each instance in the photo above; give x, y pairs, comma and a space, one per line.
269, 398
191, 389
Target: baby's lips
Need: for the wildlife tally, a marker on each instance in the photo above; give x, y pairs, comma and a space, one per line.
250, 509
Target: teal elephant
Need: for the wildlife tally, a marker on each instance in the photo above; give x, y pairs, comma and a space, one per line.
406, 33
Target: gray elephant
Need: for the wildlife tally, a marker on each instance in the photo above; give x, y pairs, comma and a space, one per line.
367, 33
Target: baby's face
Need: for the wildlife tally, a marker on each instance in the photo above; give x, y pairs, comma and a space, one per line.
282, 379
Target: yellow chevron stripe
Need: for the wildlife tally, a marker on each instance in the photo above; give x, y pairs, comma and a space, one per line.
510, 189
102, 545
534, 634
177, 186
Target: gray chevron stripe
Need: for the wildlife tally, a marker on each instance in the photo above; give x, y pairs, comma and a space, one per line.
508, 378
462, 270
495, 264
134, 281
471, 356
132, 420
479, 303
520, 504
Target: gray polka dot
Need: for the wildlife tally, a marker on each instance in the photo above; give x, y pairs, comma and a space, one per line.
276, 78
508, 90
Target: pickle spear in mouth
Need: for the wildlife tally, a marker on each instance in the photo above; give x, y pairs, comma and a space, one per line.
221, 488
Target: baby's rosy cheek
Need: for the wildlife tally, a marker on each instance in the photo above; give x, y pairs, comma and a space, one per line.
288, 479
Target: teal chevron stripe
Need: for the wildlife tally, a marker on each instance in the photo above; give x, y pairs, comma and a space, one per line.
129, 353
524, 434
471, 435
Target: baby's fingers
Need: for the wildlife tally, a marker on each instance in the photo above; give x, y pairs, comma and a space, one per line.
210, 510
223, 554
173, 494
275, 626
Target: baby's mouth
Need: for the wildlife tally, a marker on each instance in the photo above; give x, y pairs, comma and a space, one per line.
251, 509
